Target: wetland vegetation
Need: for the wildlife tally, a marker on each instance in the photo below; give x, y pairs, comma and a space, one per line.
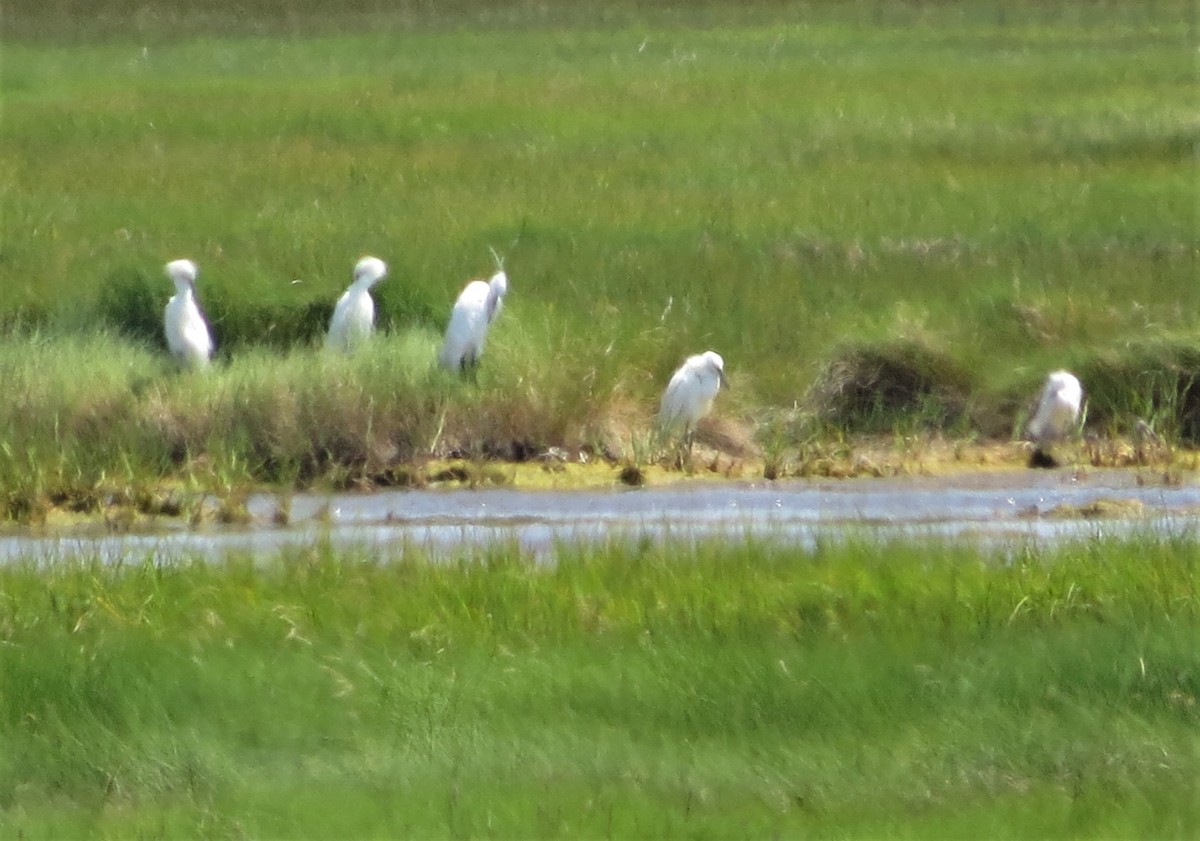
890, 218
908, 689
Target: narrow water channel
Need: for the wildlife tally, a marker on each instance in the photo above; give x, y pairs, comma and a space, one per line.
1006, 506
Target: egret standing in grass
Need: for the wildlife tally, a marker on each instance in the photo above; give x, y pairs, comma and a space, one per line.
690, 394
474, 311
1056, 417
188, 337
354, 316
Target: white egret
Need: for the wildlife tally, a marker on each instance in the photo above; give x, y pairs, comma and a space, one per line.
474, 311
354, 316
690, 394
1057, 414
188, 337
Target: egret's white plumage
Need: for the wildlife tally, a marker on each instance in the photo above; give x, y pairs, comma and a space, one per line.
691, 391
187, 332
1058, 408
354, 316
474, 311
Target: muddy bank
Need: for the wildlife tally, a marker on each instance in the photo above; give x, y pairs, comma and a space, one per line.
171, 504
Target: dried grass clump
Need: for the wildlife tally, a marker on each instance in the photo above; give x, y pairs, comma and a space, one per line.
727, 435
520, 424
493, 426
519, 410
876, 387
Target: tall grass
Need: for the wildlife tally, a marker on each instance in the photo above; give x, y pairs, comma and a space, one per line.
1009, 185
93, 415
905, 689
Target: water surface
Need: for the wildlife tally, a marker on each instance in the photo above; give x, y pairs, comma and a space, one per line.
1003, 506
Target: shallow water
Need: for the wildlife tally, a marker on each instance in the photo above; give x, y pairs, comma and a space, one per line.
1014, 506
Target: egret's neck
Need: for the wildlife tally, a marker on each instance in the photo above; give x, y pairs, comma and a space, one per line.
494, 302
183, 288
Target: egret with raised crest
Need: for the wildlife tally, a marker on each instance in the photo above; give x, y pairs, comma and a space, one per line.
474, 311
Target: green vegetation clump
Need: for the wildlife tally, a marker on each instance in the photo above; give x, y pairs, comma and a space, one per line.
869, 387
908, 689
1156, 381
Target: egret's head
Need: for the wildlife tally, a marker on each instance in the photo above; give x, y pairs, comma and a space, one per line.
183, 272
497, 289
1063, 381
499, 284
369, 270
715, 362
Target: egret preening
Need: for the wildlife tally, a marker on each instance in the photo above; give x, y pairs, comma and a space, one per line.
1057, 415
689, 395
474, 311
354, 316
187, 333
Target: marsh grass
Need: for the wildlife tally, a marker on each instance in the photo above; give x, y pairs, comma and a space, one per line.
96, 416
796, 186
1155, 381
631, 689
868, 387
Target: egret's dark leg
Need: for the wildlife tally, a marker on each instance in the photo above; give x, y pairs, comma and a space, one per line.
469, 367
1043, 458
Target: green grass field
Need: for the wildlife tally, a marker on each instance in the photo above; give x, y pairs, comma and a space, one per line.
981, 190
963, 194
906, 690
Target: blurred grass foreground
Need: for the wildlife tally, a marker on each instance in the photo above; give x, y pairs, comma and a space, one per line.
682, 690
